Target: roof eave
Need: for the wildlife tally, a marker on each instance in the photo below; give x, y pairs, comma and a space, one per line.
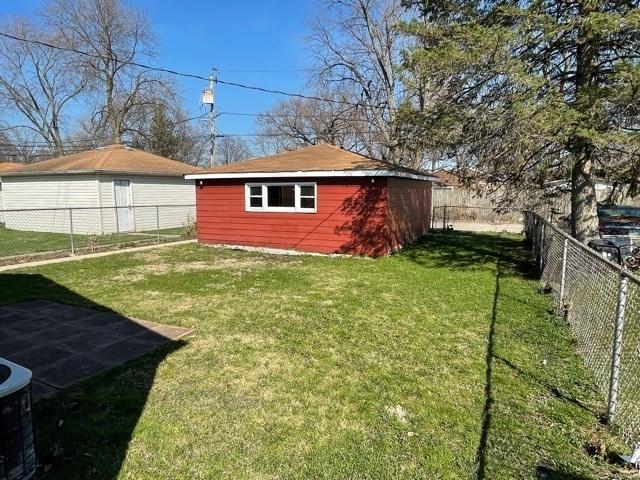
22, 173
308, 174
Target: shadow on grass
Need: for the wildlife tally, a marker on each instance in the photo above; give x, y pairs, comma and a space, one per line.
85, 430
504, 265
548, 473
481, 452
552, 390
472, 250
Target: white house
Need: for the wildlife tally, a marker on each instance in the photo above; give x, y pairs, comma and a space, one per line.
112, 189
5, 166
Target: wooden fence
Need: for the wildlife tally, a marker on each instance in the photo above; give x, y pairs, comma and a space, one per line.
560, 204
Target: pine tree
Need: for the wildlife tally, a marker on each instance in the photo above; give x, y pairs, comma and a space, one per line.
520, 93
161, 138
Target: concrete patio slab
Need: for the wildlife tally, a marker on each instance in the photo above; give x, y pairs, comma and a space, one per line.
64, 344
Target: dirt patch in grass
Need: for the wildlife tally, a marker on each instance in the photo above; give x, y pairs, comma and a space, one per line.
141, 272
398, 413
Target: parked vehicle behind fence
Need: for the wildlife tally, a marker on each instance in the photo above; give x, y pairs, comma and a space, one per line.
619, 229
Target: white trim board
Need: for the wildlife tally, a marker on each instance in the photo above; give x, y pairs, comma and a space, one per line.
311, 174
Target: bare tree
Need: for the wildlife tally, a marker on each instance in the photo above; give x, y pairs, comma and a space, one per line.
117, 35
357, 47
231, 150
296, 123
17, 148
36, 86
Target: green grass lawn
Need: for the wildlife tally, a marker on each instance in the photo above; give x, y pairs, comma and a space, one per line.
19, 242
440, 362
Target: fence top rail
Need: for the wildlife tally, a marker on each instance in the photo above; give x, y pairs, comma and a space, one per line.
66, 209
622, 271
496, 209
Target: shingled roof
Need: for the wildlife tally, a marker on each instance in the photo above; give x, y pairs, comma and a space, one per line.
6, 166
318, 158
110, 159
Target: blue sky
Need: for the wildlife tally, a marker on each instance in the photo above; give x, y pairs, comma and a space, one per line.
195, 35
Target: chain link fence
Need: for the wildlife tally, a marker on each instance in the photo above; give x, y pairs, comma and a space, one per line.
35, 234
601, 303
479, 219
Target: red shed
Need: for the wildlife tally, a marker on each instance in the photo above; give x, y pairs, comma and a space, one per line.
317, 199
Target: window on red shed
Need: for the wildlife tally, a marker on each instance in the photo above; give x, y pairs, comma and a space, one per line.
281, 197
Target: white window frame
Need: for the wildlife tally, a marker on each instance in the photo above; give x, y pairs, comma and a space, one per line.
266, 208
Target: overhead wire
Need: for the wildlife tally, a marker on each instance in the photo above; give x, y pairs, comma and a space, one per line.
282, 115
172, 71
80, 143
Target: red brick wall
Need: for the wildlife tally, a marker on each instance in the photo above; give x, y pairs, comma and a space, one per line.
351, 217
409, 203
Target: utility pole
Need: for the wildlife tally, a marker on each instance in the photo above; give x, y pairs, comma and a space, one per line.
209, 98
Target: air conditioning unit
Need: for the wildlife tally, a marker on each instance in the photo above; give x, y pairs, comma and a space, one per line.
17, 451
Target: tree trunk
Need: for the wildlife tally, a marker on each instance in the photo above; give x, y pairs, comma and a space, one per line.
584, 214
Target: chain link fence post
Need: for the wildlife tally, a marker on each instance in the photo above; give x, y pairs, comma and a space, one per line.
563, 273
158, 221
601, 303
542, 245
616, 355
444, 218
433, 216
73, 248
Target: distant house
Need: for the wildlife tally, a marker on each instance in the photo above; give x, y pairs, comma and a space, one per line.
108, 177
446, 181
319, 199
4, 167
450, 190
602, 186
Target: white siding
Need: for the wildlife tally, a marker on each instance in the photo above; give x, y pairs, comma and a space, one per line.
107, 196
163, 191
1, 203
146, 193
76, 191
52, 192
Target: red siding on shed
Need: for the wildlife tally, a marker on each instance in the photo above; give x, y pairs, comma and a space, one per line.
351, 217
409, 203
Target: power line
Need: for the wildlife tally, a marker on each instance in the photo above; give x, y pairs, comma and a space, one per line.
89, 143
220, 134
31, 155
310, 134
290, 70
283, 115
172, 72
190, 119
287, 94
80, 142
101, 57
38, 143
68, 152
